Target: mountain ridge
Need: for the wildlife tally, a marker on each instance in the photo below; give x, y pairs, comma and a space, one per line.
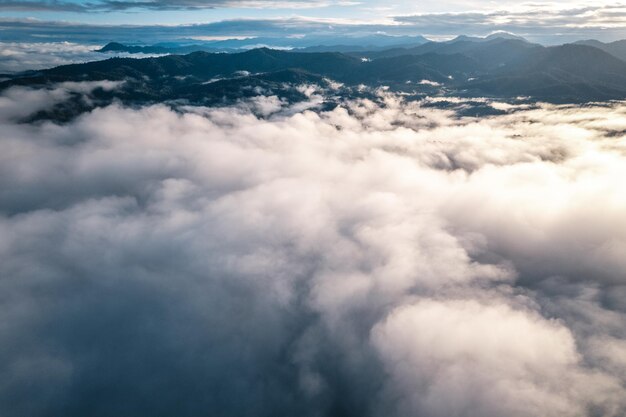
617, 48
503, 68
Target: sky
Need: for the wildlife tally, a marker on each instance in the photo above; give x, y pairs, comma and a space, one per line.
548, 22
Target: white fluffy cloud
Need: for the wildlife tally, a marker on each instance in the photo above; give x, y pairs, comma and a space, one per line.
485, 358
382, 258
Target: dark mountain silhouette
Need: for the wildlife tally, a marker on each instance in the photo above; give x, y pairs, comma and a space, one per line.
617, 48
283, 84
505, 68
490, 53
200, 67
416, 68
306, 44
208, 65
567, 73
158, 49
355, 48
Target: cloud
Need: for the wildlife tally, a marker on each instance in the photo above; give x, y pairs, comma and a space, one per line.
532, 20
164, 5
442, 355
543, 22
24, 56
385, 257
17, 103
52, 5
20, 56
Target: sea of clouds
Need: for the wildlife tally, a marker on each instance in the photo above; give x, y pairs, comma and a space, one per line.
385, 258
22, 56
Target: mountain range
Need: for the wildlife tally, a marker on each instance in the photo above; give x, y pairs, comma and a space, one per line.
503, 67
116, 47
305, 43
617, 48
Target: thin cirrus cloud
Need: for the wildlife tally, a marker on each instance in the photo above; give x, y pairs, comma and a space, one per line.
381, 258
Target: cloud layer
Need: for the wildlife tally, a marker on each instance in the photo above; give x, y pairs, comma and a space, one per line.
25, 56
545, 22
382, 258
165, 5
542, 23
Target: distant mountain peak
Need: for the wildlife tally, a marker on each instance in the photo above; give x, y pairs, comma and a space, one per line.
501, 34
493, 36
465, 38
112, 46
617, 48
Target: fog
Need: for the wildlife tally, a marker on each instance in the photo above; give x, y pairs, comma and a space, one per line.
385, 258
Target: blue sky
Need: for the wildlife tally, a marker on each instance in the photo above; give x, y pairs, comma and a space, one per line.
539, 20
